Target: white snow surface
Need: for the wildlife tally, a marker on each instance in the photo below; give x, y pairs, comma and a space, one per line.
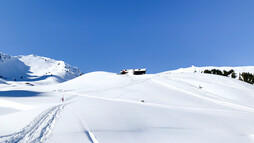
193, 69
102, 107
37, 69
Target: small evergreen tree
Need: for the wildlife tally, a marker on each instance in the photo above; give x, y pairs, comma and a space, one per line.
216, 71
227, 73
248, 77
207, 71
233, 75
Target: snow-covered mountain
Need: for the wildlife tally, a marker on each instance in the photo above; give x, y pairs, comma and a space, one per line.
35, 68
177, 106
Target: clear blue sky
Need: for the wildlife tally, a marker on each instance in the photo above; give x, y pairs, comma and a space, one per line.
108, 35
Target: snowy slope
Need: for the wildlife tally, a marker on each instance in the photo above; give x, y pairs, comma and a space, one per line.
193, 69
106, 107
35, 69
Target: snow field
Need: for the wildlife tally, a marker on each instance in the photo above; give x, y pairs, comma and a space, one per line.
106, 107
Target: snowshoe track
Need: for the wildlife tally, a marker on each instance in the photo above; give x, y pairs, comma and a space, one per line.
39, 130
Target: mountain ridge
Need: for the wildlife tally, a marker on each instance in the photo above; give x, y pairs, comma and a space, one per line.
35, 68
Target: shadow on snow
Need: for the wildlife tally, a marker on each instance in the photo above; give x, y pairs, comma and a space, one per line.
19, 93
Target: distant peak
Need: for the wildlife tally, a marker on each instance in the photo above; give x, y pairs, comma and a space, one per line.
4, 57
34, 68
32, 55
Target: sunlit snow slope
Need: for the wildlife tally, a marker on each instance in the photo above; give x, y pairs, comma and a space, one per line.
109, 108
193, 69
37, 69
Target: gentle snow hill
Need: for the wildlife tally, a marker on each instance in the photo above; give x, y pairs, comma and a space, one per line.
193, 69
102, 107
34, 68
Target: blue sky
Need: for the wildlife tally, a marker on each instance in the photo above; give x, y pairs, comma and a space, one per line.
108, 35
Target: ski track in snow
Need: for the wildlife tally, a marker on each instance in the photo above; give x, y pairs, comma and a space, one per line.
39, 130
221, 102
91, 137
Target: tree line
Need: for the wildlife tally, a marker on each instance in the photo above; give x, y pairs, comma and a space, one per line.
245, 76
